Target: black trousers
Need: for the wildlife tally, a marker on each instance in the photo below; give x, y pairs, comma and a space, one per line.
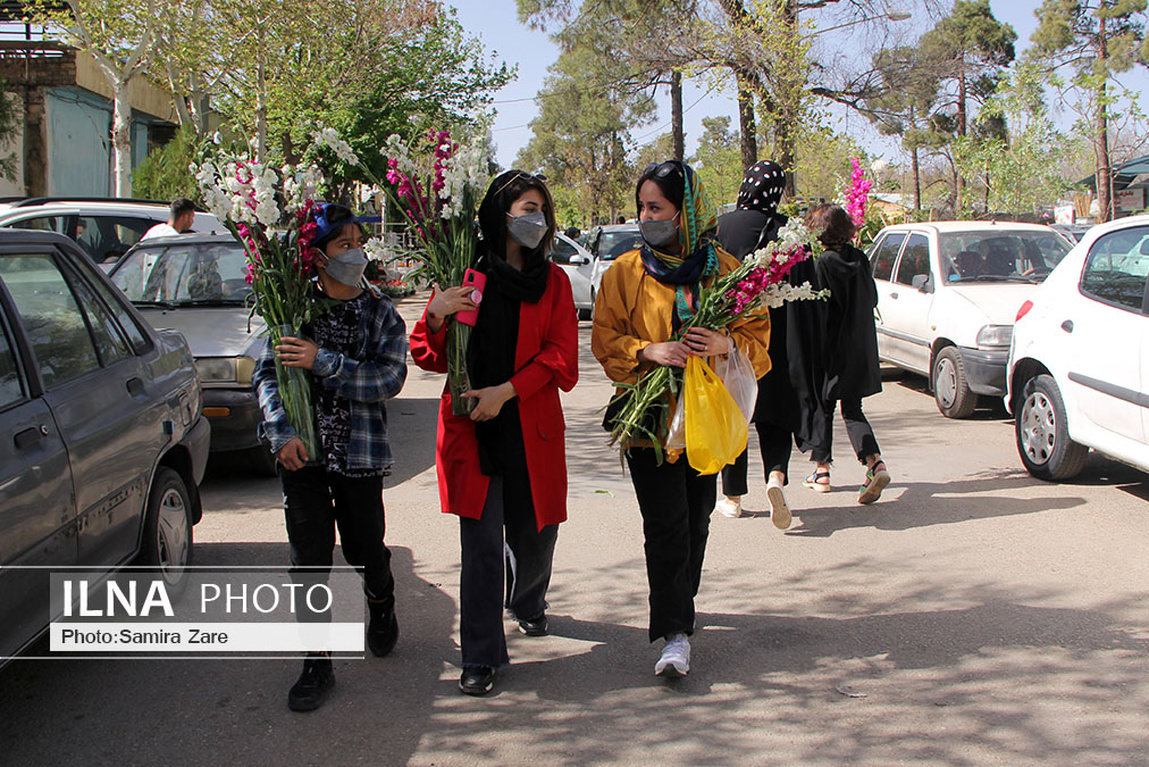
858, 429
676, 502
775, 444
315, 501
525, 551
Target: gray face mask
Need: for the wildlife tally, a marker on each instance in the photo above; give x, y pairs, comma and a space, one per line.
347, 267
527, 230
659, 234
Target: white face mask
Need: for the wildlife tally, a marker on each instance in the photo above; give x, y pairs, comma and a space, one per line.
347, 267
527, 230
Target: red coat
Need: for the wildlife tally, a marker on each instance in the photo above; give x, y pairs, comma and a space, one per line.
546, 360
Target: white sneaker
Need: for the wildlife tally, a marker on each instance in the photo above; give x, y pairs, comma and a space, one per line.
675, 660
729, 507
779, 511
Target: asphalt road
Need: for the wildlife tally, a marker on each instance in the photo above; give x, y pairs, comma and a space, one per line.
973, 616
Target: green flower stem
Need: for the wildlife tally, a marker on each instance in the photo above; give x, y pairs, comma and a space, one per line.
295, 394
458, 380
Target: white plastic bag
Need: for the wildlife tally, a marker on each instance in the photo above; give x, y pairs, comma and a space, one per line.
737, 373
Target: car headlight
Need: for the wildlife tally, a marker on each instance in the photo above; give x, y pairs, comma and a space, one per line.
995, 335
225, 370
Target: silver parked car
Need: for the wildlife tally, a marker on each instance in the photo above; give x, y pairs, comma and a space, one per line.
578, 263
196, 284
103, 228
102, 442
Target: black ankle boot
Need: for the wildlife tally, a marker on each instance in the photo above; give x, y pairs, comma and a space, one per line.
317, 679
382, 631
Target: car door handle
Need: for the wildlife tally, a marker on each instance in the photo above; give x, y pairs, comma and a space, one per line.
1067, 326
25, 439
893, 295
135, 386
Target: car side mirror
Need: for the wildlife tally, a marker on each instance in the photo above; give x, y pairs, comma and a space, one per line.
578, 260
922, 283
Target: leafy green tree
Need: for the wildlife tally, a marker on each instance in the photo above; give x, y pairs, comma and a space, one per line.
1097, 40
1019, 172
163, 175
718, 159
967, 51
582, 134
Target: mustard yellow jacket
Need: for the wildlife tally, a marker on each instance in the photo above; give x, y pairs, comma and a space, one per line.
633, 310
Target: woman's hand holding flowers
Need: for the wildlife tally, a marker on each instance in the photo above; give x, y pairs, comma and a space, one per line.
490, 400
707, 343
445, 302
669, 353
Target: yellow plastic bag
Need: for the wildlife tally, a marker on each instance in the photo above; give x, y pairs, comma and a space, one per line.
715, 427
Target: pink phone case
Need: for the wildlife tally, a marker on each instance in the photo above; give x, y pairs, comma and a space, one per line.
479, 281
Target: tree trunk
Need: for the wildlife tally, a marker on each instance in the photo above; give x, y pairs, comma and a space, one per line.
1103, 178
959, 182
35, 142
260, 115
917, 170
746, 124
121, 139
676, 116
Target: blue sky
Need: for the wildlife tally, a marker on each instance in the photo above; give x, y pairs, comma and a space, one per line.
495, 22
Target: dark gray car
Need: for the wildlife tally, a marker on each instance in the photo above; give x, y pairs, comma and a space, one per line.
102, 440
196, 284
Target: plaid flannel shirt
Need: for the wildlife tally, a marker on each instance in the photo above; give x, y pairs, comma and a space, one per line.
375, 374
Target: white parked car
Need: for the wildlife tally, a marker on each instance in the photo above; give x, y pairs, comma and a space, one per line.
1077, 365
103, 228
578, 263
948, 292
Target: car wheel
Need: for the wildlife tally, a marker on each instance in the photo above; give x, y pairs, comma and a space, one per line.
261, 461
167, 542
1043, 435
951, 387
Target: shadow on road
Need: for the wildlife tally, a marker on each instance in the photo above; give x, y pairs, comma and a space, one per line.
196, 712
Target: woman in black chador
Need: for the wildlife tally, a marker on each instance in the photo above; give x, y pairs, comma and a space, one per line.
789, 401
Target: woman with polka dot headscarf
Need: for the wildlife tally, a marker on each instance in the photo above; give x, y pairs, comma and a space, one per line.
788, 401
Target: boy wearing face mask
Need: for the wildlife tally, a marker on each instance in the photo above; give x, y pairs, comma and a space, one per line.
356, 352
502, 469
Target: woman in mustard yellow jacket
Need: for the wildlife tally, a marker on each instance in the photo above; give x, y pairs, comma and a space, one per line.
644, 299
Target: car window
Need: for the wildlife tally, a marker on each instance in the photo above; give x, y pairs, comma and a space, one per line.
51, 317
562, 251
915, 260
1000, 255
1116, 268
106, 238
185, 273
110, 342
886, 254
611, 245
11, 388
43, 224
135, 334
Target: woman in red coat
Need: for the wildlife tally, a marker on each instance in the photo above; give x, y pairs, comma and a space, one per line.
503, 468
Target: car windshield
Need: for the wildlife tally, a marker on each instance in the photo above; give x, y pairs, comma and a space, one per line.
1000, 256
185, 273
611, 245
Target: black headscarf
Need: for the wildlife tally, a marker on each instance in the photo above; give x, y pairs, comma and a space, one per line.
762, 187
491, 352
530, 283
